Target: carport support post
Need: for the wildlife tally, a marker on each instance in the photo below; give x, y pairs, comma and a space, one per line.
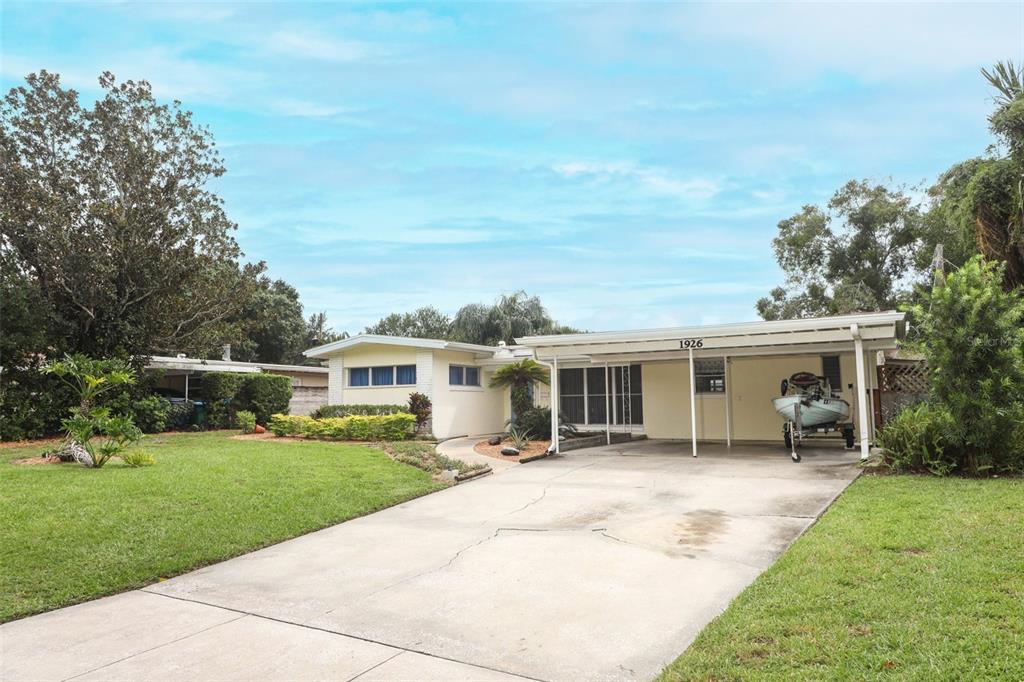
693, 406
607, 407
554, 403
728, 403
862, 412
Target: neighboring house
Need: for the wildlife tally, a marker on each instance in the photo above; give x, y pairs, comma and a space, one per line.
182, 376
711, 383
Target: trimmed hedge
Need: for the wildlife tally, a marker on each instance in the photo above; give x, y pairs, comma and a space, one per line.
349, 410
386, 427
230, 392
265, 395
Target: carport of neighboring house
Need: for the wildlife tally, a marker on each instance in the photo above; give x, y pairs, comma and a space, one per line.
713, 383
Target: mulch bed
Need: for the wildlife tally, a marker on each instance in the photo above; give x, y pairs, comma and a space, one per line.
534, 447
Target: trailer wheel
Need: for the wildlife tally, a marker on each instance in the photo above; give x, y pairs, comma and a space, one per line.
848, 435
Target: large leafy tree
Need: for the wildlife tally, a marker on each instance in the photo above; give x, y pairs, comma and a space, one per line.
106, 218
423, 323
512, 315
980, 202
272, 328
855, 254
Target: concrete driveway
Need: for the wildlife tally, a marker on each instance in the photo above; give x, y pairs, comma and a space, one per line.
602, 564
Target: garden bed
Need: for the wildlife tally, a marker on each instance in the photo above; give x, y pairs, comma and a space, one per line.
533, 448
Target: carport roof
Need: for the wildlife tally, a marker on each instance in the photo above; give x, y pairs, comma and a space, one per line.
877, 330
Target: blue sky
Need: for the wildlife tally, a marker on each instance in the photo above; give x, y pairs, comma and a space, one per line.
628, 163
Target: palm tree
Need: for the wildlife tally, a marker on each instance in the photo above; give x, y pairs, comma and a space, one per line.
519, 376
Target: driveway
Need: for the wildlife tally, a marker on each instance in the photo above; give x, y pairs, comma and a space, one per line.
601, 564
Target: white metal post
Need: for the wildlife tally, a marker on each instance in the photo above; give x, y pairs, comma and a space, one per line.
728, 404
186, 385
693, 406
862, 412
607, 407
554, 404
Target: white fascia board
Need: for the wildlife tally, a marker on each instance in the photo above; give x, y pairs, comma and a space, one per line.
405, 341
344, 344
724, 330
678, 355
166, 362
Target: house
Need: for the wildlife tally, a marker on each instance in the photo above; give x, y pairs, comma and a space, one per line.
699, 383
182, 377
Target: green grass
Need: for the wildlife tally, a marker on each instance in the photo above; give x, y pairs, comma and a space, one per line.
904, 578
70, 534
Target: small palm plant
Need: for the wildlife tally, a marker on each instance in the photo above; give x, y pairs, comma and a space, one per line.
519, 376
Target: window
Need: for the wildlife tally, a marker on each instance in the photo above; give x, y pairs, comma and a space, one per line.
583, 395
830, 370
463, 376
709, 375
405, 375
383, 376
359, 376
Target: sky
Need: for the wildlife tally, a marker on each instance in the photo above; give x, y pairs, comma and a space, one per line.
628, 163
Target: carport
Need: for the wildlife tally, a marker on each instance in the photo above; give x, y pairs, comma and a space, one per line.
753, 357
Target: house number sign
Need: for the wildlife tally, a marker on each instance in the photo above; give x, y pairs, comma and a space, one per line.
687, 344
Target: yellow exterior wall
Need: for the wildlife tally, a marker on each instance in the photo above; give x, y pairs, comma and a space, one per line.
753, 382
377, 356
466, 410
666, 395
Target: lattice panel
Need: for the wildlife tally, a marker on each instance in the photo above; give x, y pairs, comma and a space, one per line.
904, 378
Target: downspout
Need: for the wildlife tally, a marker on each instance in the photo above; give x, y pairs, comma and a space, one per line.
553, 369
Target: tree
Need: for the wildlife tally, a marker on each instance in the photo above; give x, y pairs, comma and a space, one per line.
982, 200
272, 328
318, 333
423, 323
856, 254
520, 376
105, 213
972, 334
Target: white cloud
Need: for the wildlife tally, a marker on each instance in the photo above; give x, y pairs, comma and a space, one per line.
311, 45
657, 180
290, 106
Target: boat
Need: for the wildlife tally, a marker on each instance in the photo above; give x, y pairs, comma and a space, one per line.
808, 400
809, 404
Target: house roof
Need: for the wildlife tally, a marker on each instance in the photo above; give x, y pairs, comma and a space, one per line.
199, 364
409, 342
878, 330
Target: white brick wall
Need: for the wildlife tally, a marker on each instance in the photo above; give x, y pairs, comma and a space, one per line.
425, 372
335, 379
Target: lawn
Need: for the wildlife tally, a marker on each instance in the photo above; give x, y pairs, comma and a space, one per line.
904, 577
70, 534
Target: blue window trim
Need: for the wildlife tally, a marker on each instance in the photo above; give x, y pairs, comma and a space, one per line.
383, 376
405, 375
359, 376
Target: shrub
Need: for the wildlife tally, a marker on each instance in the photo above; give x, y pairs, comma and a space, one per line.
917, 439
220, 389
421, 407
265, 395
288, 424
119, 432
246, 421
179, 414
349, 410
520, 439
151, 414
138, 458
536, 422
972, 334
388, 427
